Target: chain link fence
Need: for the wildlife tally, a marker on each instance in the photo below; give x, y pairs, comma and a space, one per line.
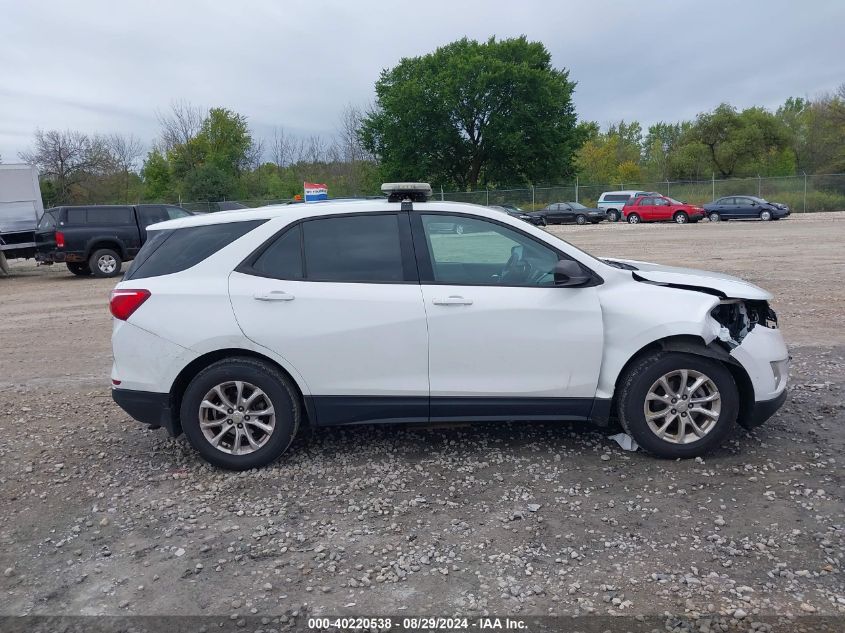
802, 193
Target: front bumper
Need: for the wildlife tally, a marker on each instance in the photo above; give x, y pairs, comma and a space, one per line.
762, 410
148, 407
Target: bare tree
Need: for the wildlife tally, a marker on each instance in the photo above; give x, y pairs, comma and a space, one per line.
348, 134
286, 150
181, 124
124, 152
67, 158
315, 149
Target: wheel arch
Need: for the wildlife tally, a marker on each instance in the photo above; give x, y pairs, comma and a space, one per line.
105, 242
183, 379
691, 344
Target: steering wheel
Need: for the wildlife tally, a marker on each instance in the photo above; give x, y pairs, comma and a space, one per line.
517, 269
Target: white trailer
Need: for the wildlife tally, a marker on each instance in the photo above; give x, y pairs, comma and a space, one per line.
20, 209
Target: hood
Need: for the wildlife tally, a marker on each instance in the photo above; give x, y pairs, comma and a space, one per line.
727, 285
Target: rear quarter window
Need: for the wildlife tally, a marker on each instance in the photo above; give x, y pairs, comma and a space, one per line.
174, 250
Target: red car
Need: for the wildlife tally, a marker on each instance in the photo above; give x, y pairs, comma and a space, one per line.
661, 209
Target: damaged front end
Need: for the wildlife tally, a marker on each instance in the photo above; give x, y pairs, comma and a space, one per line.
738, 317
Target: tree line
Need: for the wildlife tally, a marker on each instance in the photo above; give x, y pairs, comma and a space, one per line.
801, 136
470, 114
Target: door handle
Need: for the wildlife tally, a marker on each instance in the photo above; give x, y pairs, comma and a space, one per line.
453, 300
273, 295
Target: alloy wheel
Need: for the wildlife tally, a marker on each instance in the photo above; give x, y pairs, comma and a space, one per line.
107, 263
237, 417
682, 406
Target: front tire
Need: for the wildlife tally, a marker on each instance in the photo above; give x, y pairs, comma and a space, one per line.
240, 413
680, 218
765, 215
612, 216
633, 218
105, 262
715, 217
79, 269
678, 405
580, 219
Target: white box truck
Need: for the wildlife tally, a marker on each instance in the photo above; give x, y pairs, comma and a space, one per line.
20, 209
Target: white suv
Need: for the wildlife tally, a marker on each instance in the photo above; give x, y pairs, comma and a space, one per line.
236, 327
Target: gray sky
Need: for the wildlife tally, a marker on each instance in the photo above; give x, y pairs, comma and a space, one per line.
108, 66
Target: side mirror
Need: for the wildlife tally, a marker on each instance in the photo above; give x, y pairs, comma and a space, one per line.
569, 274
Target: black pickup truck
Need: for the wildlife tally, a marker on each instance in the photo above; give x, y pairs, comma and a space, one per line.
97, 239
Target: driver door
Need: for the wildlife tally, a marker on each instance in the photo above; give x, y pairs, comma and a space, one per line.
662, 209
504, 341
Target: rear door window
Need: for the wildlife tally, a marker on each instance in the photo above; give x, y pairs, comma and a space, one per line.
360, 248
282, 259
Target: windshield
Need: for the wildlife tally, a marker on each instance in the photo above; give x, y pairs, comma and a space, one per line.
673, 201
576, 205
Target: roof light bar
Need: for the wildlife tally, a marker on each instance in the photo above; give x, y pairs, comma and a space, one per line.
413, 191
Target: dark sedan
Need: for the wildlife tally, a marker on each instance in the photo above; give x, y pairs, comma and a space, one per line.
565, 212
744, 208
516, 212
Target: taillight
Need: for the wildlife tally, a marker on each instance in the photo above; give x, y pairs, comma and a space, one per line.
60, 239
123, 303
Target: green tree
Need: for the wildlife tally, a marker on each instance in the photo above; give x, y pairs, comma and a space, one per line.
208, 182
493, 112
612, 156
156, 176
224, 140
739, 142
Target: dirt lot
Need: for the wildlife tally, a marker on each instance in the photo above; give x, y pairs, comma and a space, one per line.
101, 516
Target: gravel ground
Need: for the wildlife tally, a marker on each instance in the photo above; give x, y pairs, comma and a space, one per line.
105, 517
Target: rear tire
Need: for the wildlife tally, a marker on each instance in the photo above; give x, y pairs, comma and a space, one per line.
105, 262
633, 218
680, 217
279, 394
580, 219
640, 390
79, 269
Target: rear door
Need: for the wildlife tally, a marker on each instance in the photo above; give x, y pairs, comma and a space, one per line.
644, 207
505, 342
727, 208
339, 299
